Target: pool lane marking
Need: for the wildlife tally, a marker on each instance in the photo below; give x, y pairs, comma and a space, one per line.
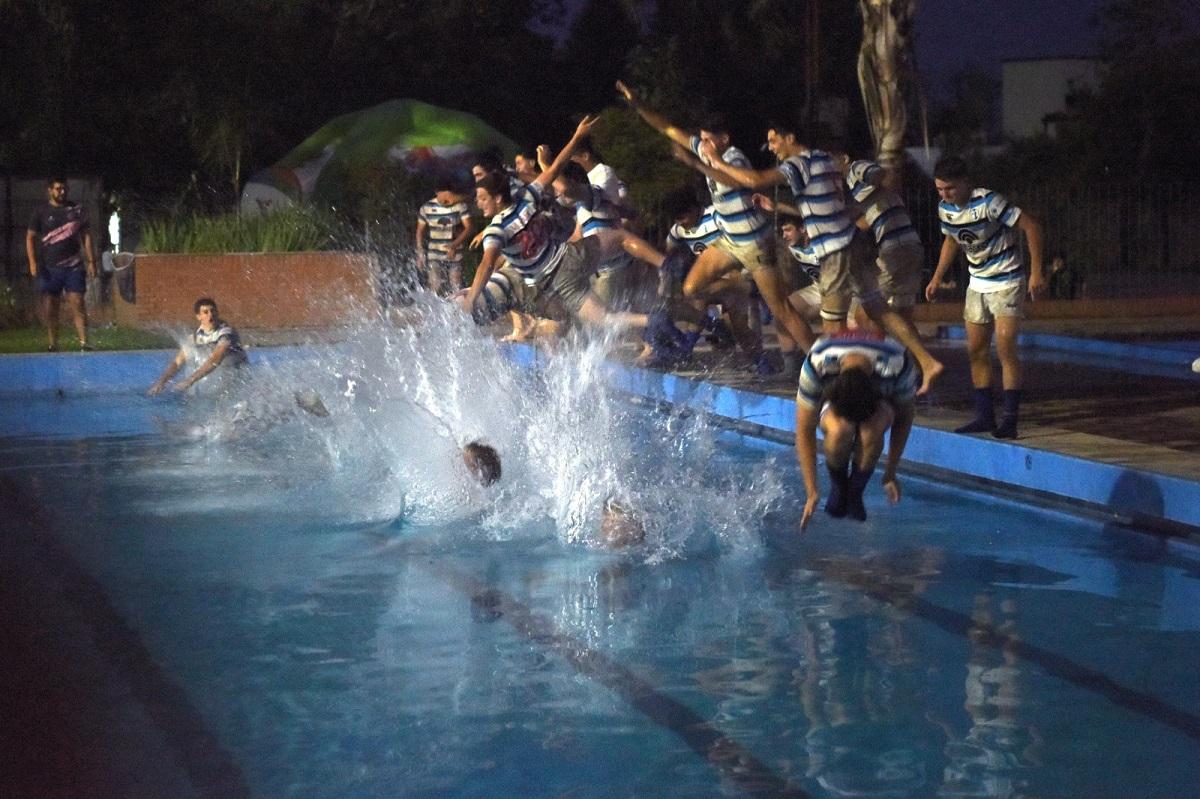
212, 770
1053, 664
734, 761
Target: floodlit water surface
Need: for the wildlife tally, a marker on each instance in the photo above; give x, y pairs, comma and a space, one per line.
350, 615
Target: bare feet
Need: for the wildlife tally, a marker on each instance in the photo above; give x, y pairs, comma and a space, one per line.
931, 370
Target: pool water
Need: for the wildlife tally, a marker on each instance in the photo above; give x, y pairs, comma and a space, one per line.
954, 645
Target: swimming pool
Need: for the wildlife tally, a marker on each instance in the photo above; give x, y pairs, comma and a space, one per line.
278, 635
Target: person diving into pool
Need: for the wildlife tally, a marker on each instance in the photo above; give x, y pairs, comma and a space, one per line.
856, 386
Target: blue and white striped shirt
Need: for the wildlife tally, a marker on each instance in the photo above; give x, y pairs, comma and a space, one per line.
733, 209
882, 208
986, 229
698, 238
810, 264
528, 237
816, 183
441, 223
894, 373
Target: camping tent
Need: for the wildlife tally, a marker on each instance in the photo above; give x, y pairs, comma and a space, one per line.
343, 156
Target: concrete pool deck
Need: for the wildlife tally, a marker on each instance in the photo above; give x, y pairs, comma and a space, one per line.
1114, 441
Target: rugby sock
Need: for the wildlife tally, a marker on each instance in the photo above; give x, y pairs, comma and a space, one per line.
985, 414
856, 486
839, 489
1008, 422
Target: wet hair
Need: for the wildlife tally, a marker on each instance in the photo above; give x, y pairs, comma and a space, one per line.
715, 123
575, 173
496, 184
483, 462
200, 303
586, 145
680, 201
853, 396
951, 168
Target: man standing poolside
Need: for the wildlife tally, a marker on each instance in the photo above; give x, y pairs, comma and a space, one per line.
217, 345
988, 227
867, 383
61, 229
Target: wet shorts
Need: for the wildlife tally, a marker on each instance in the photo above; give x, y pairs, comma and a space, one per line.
982, 308
849, 272
900, 274
753, 255
54, 281
571, 281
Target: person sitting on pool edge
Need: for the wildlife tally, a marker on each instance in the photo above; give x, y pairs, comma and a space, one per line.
868, 383
215, 341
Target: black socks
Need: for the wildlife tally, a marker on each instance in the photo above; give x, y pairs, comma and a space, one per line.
985, 415
857, 485
1008, 422
846, 492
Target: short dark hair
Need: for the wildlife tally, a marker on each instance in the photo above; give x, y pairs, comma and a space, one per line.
783, 125
528, 153
490, 159
951, 168
791, 219
496, 184
853, 395
586, 145
680, 201
200, 303
574, 173
714, 123
56, 179
483, 462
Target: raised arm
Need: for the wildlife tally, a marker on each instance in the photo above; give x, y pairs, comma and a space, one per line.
564, 156
731, 175
653, 118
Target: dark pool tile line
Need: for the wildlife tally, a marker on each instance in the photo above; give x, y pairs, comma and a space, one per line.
960, 624
211, 769
737, 764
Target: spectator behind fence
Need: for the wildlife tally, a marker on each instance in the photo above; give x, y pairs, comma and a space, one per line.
1066, 282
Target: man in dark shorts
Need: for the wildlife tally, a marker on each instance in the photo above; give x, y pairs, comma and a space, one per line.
60, 230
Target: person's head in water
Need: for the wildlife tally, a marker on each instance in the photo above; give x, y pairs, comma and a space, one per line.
853, 395
483, 462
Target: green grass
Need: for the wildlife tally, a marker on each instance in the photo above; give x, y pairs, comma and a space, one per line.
290, 230
33, 339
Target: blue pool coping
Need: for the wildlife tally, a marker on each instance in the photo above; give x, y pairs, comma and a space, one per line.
1140, 498
1178, 353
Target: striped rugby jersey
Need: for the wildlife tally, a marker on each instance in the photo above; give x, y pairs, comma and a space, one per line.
442, 221
698, 238
733, 210
206, 342
986, 229
882, 208
816, 183
810, 264
598, 213
895, 374
608, 195
529, 238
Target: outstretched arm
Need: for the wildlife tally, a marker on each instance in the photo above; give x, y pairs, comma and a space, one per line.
206, 368
172, 369
653, 118
731, 175
564, 156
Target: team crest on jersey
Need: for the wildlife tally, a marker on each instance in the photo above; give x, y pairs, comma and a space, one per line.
967, 237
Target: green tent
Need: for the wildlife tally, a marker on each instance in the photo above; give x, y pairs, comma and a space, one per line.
346, 154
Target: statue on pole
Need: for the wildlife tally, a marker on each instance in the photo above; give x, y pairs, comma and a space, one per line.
885, 67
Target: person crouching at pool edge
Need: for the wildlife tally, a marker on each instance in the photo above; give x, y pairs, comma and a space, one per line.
868, 383
215, 341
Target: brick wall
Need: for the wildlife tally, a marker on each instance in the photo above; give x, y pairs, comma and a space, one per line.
253, 290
